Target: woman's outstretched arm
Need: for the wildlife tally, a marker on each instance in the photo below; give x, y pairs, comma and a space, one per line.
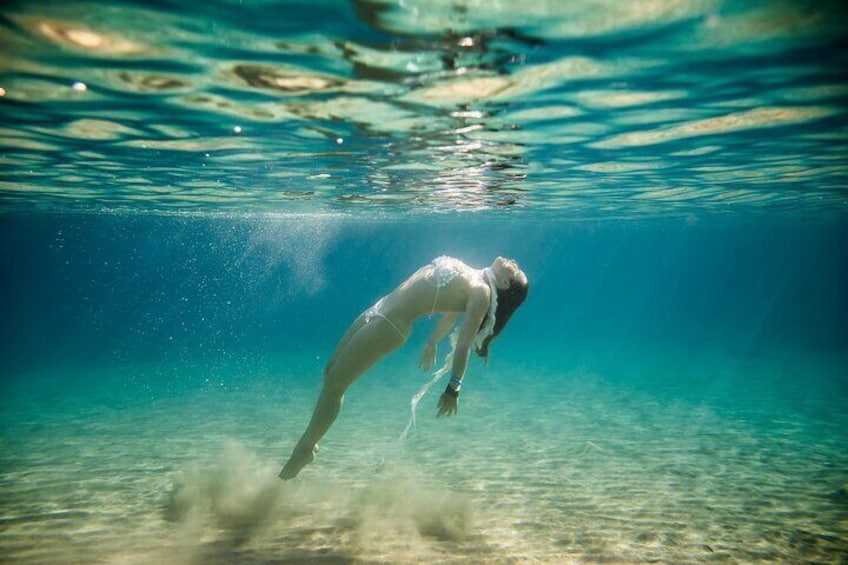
428, 356
476, 310
474, 314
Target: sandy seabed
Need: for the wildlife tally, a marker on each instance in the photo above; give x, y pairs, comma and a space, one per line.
567, 468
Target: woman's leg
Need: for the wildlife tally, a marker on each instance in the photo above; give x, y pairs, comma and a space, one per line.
359, 349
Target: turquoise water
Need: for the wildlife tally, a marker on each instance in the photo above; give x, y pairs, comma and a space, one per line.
196, 202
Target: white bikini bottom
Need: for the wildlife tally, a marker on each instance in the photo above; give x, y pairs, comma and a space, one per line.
374, 311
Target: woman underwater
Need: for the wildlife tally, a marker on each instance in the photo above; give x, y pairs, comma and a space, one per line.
487, 297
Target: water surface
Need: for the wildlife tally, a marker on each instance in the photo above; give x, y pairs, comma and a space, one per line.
579, 109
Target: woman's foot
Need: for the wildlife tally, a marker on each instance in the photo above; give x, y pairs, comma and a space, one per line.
296, 462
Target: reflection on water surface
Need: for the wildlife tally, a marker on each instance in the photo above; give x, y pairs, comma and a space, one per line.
591, 108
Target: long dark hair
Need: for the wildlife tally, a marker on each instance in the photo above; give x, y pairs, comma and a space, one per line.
508, 300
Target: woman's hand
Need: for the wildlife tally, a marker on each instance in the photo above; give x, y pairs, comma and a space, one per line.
428, 357
448, 405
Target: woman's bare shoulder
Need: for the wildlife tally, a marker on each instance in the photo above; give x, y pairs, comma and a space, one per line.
476, 284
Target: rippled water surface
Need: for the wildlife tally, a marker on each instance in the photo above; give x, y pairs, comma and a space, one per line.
590, 108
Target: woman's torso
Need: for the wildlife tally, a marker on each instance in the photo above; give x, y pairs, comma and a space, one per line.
444, 285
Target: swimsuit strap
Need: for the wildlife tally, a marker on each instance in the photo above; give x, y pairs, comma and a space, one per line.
435, 298
392, 324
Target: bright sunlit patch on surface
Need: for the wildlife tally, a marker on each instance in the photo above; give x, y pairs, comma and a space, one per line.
757, 118
617, 167
622, 99
79, 37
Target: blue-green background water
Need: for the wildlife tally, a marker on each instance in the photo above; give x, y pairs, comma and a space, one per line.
195, 202
104, 290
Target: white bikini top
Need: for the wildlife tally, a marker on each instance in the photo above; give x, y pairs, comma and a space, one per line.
445, 270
